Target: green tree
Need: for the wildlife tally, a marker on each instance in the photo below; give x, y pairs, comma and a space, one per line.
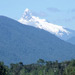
41, 62
22, 72
3, 69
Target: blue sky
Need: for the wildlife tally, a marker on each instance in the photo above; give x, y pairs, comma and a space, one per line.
60, 12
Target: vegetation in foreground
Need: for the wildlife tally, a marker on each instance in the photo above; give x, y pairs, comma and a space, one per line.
40, 68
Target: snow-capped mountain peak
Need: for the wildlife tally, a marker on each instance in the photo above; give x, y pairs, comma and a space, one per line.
29, 19
27, 15
26, 10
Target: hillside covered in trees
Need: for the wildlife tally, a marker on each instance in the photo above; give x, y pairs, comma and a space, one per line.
41, 67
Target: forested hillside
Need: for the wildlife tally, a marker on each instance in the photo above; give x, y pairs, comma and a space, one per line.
41, 67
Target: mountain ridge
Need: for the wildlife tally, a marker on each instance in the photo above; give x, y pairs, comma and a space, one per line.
32, 20
63, 33
25, 43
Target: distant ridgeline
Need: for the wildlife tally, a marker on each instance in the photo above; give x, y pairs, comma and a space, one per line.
40, 68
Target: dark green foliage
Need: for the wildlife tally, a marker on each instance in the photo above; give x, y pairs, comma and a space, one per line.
40, 68
41, 62
3, 69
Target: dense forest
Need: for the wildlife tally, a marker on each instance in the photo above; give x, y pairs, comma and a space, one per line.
41, 67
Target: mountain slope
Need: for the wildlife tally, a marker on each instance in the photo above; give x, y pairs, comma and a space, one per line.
71, 40
25, 43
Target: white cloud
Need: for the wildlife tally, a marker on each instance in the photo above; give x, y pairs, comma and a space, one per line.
31, 20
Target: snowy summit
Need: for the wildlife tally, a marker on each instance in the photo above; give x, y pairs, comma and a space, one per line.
29, 19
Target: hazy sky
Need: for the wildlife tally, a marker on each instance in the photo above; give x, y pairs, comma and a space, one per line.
60, 12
